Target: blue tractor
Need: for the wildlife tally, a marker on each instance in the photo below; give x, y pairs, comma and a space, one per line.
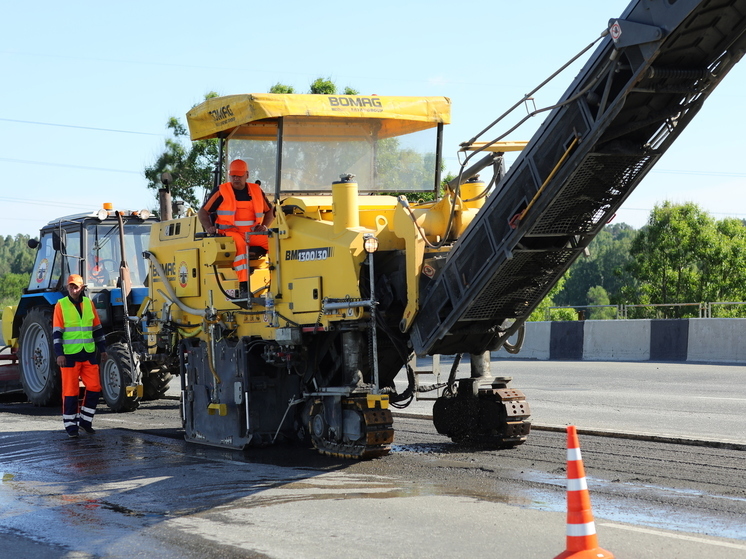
105, 247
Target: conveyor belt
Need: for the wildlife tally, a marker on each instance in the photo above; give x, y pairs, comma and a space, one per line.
629, 103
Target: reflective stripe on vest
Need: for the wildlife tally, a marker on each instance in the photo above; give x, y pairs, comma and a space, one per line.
77, 334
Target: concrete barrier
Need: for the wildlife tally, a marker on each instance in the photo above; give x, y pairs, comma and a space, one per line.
605, 340
716, 340
535, 344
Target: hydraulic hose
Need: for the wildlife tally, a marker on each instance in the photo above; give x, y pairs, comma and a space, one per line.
171, 295
516, 347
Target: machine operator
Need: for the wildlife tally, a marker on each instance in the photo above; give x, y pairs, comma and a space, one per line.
240, 207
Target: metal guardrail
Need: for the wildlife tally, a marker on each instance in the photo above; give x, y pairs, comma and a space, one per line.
708, 311
704, 310
659, 306
580, 309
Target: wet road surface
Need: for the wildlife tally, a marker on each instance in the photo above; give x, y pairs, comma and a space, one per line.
135, 489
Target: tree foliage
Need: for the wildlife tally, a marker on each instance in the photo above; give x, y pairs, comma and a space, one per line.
683, 255
597, 299
191, 164
608, 256
15, 255
325, 86
16, 262
668, 254
281, 88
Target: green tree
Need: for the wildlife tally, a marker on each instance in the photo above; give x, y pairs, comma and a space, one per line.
321, 86
11, 288
325, 86
683, 255
597, 295
281, 88
604, 267
723, 268
15, 255
16, 263
191, 164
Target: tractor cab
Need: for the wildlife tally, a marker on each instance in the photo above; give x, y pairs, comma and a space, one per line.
89, 244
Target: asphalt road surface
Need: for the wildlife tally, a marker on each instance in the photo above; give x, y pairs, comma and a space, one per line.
136, 489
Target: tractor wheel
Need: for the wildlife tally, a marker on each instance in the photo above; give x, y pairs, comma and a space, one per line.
117, 373
40, 375
155, 384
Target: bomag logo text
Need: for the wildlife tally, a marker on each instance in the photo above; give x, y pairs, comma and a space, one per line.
372, 104
221, 114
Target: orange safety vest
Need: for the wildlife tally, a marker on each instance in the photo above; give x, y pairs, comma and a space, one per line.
242, 216
235, 218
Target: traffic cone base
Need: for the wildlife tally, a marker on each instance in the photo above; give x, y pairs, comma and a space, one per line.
582, 542
597, 553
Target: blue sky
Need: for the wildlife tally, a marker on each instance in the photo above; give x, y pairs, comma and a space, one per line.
88, 86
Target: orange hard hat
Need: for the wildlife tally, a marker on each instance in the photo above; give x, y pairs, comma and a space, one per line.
75, 279
238, 168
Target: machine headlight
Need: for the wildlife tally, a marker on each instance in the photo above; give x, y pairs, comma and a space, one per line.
370, 243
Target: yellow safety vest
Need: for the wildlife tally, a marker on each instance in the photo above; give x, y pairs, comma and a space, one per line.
77, 335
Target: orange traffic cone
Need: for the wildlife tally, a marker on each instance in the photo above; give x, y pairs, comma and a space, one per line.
582, 542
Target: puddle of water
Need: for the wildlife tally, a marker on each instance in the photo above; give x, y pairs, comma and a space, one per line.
611, 506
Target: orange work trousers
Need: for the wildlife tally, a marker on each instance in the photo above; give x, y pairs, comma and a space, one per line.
81, 370
240, 263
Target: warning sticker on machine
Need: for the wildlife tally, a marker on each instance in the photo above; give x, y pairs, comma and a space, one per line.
183, 274
309, 254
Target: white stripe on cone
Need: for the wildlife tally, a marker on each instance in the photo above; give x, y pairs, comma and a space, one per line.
575, 530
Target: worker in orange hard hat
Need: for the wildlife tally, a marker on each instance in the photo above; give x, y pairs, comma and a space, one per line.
240, 207
77, 335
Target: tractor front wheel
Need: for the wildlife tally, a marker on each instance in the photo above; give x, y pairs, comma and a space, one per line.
40, 375
117, 373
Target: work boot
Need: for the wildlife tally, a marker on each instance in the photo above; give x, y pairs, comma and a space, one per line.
88, 428
72, 434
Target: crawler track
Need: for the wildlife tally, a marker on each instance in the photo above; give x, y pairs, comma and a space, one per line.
376, 433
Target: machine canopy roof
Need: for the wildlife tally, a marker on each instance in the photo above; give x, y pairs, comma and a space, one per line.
254, 114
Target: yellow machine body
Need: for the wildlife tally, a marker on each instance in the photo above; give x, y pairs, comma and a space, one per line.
300, 348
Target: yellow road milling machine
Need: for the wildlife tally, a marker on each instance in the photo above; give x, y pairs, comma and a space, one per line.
364, 272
